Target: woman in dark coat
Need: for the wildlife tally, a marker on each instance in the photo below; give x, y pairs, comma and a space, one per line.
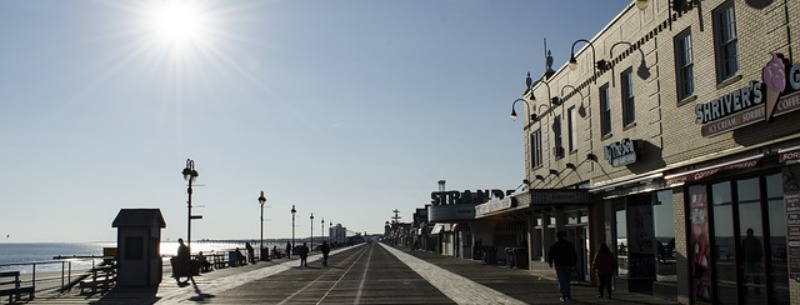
603, 264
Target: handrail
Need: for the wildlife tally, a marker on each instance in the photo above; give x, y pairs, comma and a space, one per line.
50, 280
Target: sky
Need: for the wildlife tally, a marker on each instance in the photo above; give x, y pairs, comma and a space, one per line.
345, 109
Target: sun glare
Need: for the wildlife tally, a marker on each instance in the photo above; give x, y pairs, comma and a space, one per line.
179, 23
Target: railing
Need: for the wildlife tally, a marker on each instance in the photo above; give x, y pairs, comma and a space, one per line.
58, 274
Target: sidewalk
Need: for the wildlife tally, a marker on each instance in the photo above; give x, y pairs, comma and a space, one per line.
525, 286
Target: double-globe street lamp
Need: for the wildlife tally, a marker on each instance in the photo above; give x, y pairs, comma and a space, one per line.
262, 200
190, 175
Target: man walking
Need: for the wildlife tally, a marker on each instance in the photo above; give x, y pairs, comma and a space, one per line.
562, 253
326, 249
303, 252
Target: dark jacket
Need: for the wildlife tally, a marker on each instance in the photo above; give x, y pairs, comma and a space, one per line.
325, 248
562, 253
603, 263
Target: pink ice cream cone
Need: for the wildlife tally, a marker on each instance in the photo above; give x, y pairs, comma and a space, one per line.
774, 76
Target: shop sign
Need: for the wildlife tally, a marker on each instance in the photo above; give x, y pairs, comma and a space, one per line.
703, 173
466, 197
793, 238
493, 205
560, 196
778, 93
621, 153
790, 155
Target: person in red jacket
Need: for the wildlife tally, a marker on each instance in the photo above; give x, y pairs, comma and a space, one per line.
603, 264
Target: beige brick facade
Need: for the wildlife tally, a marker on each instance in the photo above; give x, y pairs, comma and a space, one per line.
668, 139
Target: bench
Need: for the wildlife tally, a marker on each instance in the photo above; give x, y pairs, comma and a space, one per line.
101, 278
13, 288
219, 261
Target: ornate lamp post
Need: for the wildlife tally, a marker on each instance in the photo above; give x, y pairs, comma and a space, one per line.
262, 200
190, 175
312, 230
293, 212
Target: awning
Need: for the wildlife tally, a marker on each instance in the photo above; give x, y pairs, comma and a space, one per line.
625, 183
437, 229
705, 172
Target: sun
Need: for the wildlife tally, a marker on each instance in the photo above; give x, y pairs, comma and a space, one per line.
179, 23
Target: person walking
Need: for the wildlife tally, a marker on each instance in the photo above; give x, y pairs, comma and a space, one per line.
603, 264
303, 252
288, 250
250, 252
326, 249
183, 261
562, 254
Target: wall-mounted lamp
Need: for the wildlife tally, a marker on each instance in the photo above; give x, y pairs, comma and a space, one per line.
540, 177
641, 4
591, 157
582, 108
573, 63
550, 99
572, 166
514, 113
643, 72
554, 172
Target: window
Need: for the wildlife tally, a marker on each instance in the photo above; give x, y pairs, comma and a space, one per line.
536, 148
559, 148
628, 110
605, 111
684, 64
726, 42
571, 136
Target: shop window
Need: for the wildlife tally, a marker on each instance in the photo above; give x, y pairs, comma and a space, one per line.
628, 106
622, 241
776, 211
726, 42
664, 227
699, 245
724, 242
684, 64
751, 236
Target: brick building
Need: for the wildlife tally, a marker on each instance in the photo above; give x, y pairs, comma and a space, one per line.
674, 140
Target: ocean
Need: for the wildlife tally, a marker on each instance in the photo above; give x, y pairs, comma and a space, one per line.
20, 256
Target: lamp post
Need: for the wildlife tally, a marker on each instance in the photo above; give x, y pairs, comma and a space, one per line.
190, 175
262, 200
330, 228
293, 212
312, 230
322, 229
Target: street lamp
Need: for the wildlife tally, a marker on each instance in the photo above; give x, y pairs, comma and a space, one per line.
312, 230
190, 175
330, 228
322, 229
293, 212
262, 200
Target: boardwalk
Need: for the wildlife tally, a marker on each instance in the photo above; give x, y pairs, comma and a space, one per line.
366, 274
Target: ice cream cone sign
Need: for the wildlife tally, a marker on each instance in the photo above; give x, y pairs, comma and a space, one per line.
774, 77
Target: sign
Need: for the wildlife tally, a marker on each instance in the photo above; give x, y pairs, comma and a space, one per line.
703, 173
560, 196
451, 212
793, 235
621, 153
789, 155
760, 101
493, 205
467, 197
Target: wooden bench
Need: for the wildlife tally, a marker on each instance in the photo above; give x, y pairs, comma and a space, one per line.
218, 260
13, 288
101, 278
